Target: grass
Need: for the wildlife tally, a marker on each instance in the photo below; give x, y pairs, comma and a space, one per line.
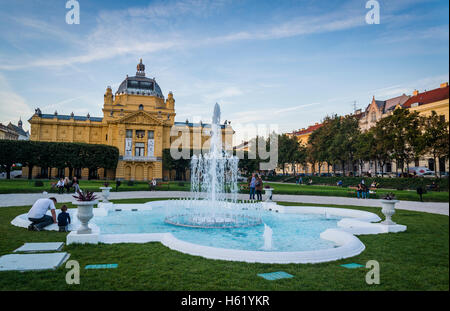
417, 259
27, 186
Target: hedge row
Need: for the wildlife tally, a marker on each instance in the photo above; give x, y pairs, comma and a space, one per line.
56, 154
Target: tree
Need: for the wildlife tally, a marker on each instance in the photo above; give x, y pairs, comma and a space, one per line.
403, 129
382, 145
8, 155
317, 148
436, 136
287, 147
364, 149
342, 142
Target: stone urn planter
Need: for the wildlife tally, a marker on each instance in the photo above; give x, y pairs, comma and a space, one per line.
84, 215
105, 193
388, 209
268, 192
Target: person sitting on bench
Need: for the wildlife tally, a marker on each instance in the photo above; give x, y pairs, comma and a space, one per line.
38, 214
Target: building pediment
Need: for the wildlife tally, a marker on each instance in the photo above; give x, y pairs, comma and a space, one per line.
140, 117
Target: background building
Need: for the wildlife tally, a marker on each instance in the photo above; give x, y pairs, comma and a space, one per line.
423, 102
8, 133
137, 119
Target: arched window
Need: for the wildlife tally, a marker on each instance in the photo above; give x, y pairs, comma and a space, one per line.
141, 107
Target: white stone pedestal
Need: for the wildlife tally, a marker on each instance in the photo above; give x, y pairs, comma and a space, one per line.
85, 238
268, 193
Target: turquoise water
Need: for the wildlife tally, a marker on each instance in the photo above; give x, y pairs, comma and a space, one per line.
291, 232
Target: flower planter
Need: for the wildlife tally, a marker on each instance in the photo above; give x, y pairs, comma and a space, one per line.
84, 215
105, 193
268, 192
388, 209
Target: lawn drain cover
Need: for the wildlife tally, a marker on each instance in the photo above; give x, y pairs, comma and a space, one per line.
272, 276
104, 266
352, 265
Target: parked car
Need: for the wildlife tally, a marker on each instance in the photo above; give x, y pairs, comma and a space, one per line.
421, 171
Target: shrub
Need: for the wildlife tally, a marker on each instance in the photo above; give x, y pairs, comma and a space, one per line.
181, 184
38, 183
386, 183
130, 183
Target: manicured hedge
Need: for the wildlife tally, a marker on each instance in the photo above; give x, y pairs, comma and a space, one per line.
56, 154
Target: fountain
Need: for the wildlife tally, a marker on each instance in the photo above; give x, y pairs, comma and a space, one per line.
211, 223
214, 190
267, 235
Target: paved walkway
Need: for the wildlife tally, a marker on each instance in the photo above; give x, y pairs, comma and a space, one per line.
22, 199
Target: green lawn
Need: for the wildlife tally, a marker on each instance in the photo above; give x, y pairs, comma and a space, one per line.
26, 186
417, 259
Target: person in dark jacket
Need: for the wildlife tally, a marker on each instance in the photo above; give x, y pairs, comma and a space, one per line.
420, 193
258, 187
63, 219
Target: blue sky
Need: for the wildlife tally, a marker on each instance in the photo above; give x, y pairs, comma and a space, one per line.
284, 62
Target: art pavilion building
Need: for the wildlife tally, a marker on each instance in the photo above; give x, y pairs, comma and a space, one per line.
137, 119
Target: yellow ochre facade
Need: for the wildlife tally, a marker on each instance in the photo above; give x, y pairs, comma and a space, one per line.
137, 119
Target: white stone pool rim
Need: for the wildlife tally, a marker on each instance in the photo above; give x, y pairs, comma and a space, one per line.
354, 222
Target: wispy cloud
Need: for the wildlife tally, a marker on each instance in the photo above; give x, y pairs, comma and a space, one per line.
125, 32
12, 105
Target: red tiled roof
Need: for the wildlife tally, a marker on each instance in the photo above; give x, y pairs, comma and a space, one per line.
428, 97
309, 129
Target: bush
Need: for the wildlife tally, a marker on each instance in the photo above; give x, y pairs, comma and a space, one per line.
181, 184
38, 183
130, 183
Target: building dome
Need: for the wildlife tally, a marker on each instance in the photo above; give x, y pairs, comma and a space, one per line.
140, 84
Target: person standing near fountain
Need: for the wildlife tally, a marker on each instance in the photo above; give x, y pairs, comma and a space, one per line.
252, 186
258, 187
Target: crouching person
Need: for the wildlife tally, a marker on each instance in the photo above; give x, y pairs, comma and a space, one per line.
63, 219
37, 214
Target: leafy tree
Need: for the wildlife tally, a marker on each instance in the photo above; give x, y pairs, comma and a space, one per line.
382, 146
364, 149
8, 155
436, 136
404, 130
287, 148
345, 131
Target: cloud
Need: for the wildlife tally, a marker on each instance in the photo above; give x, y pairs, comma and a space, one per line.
12, 105
138, 31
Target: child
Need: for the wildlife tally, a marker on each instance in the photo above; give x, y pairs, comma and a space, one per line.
63, 219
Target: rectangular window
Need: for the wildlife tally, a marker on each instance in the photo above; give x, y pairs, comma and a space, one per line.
139, 149
129, 134
442, 118
151, 134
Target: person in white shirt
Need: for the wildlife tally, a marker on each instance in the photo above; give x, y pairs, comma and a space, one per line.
38, 214
60, 186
